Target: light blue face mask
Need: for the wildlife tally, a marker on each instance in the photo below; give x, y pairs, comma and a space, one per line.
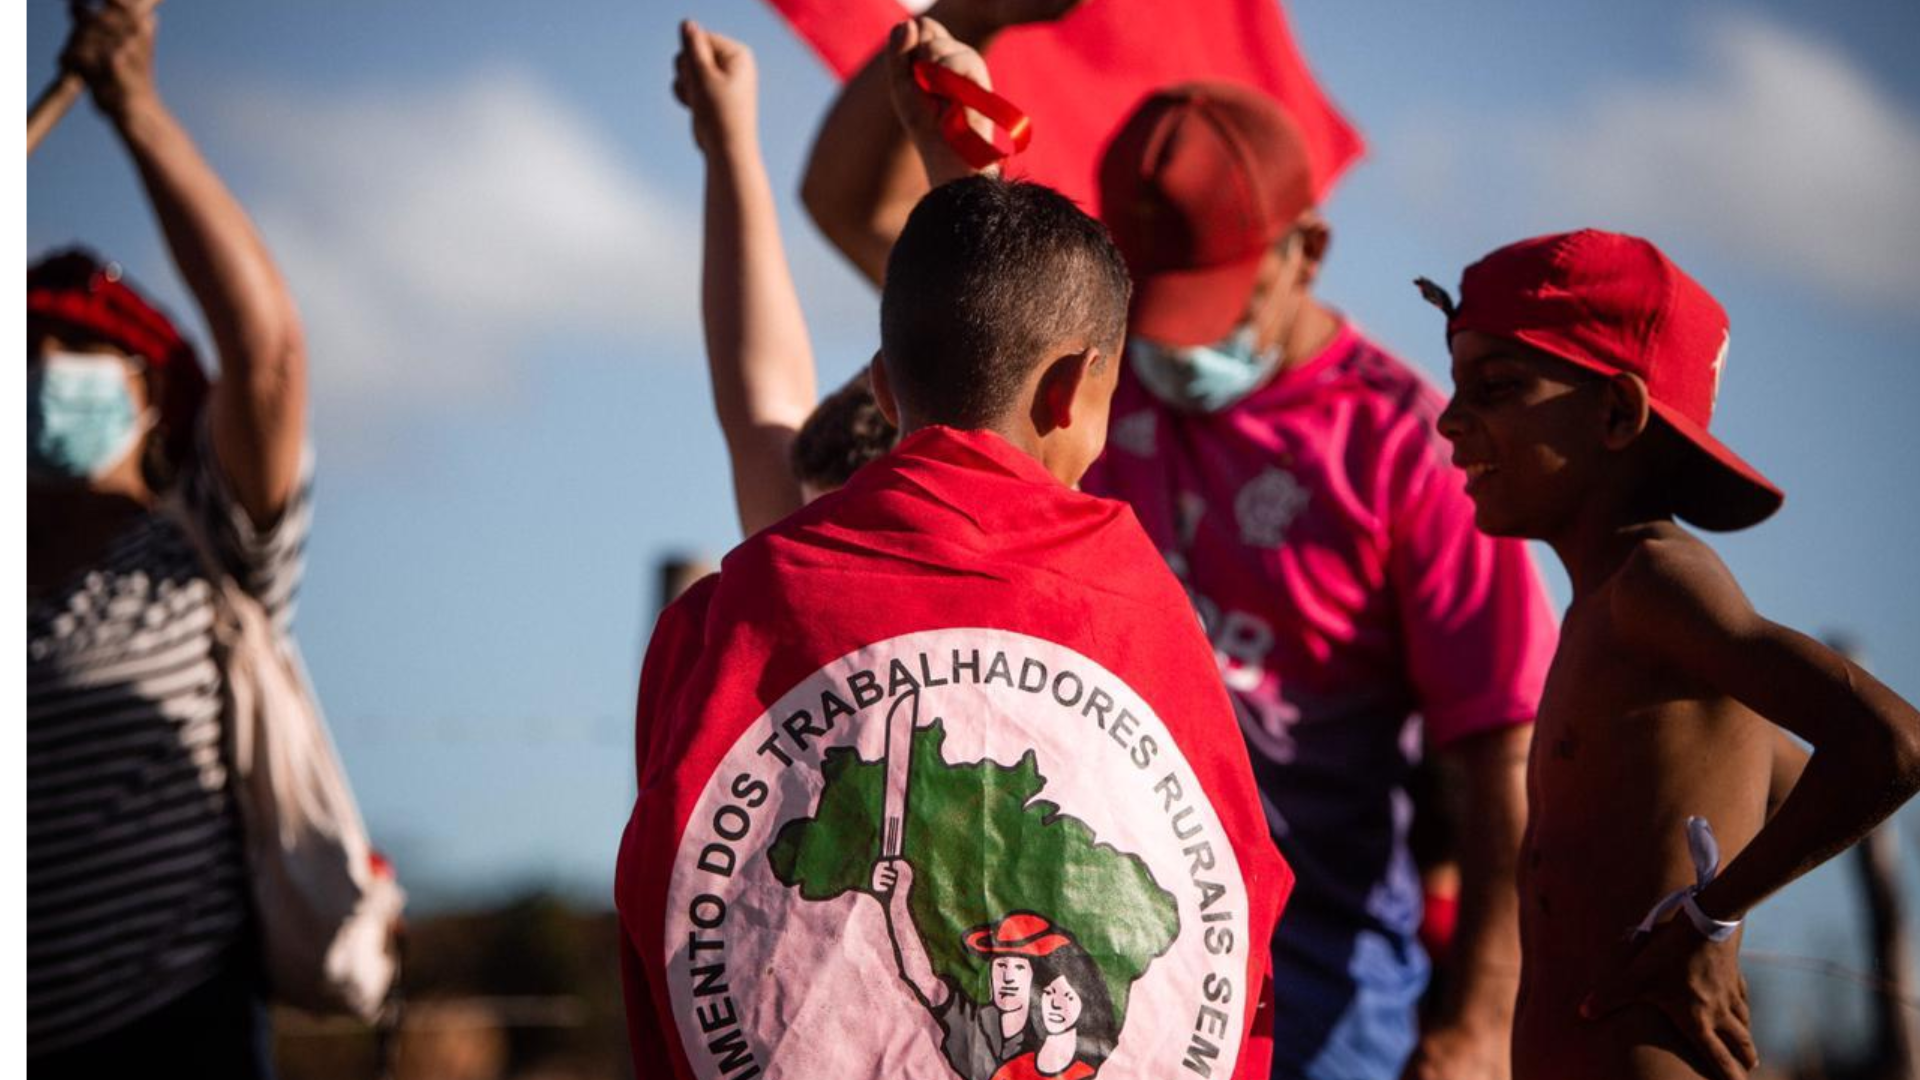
80, 416
1203, 378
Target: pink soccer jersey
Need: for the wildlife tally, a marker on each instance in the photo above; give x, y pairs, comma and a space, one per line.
1329, 546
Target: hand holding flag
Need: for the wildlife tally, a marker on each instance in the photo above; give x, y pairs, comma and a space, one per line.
893, 880
111, 52
921, 55
965, 99
1078, 70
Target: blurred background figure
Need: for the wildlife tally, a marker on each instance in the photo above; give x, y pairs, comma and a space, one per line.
138, 926
677, 573
845, 431
1886, 1051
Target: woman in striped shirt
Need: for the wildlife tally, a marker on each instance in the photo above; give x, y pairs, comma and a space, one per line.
138, 926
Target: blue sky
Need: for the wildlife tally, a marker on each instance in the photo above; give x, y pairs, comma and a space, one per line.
489, 212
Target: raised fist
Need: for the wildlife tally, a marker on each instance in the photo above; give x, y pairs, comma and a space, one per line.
892, 878
924, 40
111, 49
713, 76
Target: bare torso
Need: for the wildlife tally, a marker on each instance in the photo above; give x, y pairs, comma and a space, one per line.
1624, 751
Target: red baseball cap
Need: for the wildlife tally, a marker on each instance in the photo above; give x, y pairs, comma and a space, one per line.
1612, 303
1199, 182
1020, 934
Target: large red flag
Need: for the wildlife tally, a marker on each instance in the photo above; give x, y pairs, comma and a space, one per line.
937, 777
1080, 77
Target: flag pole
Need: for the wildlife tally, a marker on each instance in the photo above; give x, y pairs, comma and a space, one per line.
899, 772
50, 106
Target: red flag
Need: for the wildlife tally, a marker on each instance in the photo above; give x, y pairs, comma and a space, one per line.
844, 32
1074, 843
1078, 78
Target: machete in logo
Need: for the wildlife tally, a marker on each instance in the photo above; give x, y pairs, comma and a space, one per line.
967, 853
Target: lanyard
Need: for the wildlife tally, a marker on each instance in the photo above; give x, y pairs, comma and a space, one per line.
963, 94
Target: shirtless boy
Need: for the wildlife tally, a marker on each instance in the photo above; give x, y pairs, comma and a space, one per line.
1585, 368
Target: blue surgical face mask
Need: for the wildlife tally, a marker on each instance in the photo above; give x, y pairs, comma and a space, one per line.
80, 416
1204, 378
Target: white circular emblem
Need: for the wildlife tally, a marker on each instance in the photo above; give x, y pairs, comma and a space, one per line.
957, 853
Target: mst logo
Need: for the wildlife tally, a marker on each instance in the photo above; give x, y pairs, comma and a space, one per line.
965, 853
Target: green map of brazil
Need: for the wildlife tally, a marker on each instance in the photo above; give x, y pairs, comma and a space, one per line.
982, 846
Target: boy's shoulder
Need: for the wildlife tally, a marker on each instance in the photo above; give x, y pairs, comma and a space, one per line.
1671, 585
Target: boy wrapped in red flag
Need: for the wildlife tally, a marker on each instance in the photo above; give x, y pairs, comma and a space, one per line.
935, 777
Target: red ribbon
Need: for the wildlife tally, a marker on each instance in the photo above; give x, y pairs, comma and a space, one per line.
963, 92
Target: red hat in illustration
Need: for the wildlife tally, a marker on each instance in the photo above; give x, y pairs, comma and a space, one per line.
1022, 933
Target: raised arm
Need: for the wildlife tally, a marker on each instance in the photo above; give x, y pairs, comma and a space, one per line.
259, 403
864, 176
757, 348
1684, 609
1865, 739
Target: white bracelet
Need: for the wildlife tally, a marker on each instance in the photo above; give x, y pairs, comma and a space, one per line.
1705, 853
1712, 929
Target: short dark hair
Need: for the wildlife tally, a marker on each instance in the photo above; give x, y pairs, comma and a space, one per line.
843, 432
986, 276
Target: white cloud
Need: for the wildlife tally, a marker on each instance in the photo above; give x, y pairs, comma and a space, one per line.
434, 239
1781, 150
1771, 148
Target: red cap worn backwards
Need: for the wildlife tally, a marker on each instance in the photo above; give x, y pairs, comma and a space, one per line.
1199, 182
1612, 304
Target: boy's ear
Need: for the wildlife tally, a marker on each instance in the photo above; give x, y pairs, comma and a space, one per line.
1628, 410
1058, 403
883, 390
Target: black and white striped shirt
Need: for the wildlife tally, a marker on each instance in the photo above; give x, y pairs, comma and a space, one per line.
136, 886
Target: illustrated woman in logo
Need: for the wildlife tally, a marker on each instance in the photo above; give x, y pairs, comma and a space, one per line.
1071, 1017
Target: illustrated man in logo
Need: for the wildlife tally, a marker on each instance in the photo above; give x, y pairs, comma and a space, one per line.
977, 1039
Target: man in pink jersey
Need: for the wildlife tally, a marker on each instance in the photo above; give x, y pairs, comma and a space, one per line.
1290, 472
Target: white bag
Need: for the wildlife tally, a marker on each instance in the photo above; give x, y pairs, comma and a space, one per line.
326, 909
